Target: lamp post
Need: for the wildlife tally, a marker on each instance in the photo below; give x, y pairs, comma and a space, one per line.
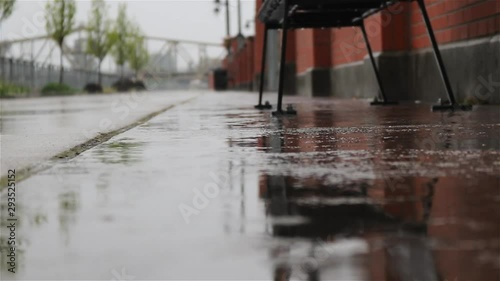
239, 17
228, 27
239, 37
225, 4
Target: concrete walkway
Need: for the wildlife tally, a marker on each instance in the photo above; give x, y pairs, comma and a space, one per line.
34, 130
215, 190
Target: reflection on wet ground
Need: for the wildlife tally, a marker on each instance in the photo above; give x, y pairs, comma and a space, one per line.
214, 190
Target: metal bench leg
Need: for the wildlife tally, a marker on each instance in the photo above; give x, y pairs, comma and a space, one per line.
452, 105
382, 98
284, 41
262, 74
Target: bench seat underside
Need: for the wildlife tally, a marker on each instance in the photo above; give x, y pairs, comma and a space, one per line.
320, 13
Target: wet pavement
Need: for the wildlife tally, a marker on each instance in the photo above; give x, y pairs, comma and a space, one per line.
35, 129
215, 190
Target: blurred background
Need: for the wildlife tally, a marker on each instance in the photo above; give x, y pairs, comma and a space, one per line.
217, 44
180, 42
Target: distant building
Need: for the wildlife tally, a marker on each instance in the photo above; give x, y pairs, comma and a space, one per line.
80, 59
165, 63
4, 50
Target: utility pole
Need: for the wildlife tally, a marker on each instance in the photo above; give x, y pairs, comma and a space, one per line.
239, 17
228, 19
219, 4
239, 37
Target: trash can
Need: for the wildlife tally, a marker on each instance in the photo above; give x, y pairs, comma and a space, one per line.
218, 79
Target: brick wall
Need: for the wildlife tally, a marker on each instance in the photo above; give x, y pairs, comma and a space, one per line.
248, 68
401, 28
313, 49
398, 29
240, 71
291, 50
259, 40
387, 31
455, 20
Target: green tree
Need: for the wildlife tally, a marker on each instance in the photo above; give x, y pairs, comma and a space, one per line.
6, 8
60, 20
100, 38
137, 52
120, 35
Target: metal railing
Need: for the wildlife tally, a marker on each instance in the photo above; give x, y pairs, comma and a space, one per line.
35, 76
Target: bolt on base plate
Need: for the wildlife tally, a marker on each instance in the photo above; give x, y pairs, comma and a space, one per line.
266, 105
377, 101
289, 111
389, 102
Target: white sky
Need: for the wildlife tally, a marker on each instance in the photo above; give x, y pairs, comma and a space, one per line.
176, 19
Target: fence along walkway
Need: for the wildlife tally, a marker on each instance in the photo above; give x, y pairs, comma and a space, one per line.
34, 75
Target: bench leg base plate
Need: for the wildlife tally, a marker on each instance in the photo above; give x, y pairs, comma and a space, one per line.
263, 106
451, 107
